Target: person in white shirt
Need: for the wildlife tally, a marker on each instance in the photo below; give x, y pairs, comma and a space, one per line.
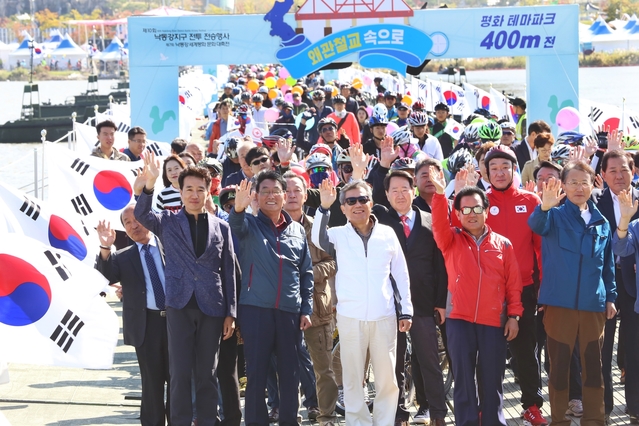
367, 253
426, 142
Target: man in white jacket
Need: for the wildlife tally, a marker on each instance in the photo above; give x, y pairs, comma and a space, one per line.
369, 301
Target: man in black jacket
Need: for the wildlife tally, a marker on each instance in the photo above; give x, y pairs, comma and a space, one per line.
428, 285
139, 268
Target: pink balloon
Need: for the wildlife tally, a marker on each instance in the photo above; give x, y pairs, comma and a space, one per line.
568, 118
369, 110
285, 88
288, 97
367, 80
271, 115
253, 68
284, 73
392, 126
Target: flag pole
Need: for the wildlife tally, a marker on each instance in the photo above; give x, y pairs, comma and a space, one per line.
623, 115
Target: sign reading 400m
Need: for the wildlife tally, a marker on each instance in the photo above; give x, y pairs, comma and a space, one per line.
523, 31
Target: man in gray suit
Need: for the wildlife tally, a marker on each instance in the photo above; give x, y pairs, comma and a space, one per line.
139, 268
200, 288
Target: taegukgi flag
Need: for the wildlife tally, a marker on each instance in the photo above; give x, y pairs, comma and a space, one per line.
49, 223
50, 309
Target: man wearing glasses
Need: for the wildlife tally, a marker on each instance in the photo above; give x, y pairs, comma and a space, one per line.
484, 303
276, 301
367, 253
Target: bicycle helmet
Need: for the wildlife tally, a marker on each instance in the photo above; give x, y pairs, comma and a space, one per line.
500, 151
271, 140
236, 91
245, 96
571, 138
243, 109
257, 98
230, 148
631, 143
489, 131
401, 136
380, 110
211, 163
483, 112
318, 160
321, 148
339, 99
403, 164
263, 89
229, 86
507, 125
390, 94
458, 160
326, 121
318, 95
378, 120
560, 153
418, 118
471, 133
419, 106
343, 157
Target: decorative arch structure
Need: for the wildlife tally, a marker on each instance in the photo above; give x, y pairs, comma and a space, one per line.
374, 33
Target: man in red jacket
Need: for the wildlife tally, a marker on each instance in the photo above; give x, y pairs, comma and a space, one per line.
508, 215
484, 287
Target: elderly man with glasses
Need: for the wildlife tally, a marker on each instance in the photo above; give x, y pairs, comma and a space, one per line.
368, 316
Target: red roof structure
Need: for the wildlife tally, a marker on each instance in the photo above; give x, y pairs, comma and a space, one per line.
352, 9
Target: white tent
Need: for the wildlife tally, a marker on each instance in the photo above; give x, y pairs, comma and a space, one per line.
23, 53
68, 50
5, 50
115, 51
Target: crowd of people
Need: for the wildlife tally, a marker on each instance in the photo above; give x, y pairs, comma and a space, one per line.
508, 240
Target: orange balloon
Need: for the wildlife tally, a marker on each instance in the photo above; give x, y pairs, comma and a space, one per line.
407, 100
253, 85
298, 90
280, 82
357, 83
272, 94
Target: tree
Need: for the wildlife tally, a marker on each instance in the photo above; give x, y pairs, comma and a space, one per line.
47, 19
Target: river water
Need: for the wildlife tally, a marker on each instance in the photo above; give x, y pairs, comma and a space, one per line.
604, 85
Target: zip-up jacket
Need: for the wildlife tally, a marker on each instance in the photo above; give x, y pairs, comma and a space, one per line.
579, 268
484, 283
365, 289
277, 271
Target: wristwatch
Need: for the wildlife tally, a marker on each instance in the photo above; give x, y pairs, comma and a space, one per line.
515, 317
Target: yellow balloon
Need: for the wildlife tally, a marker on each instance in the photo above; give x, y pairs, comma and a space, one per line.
272, 94
335, 91
298, 90
270, 82
357, 83
407, 100
253, 85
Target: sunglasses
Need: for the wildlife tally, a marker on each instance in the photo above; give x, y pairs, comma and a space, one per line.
507, 133
476, 210
328, 129
320, 169
347, 168
351, 201
259, 161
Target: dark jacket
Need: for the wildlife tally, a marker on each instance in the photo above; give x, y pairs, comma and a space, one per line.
125, 267
426, 268
211, 276
577, 259
277, 270
337, 217
522, 153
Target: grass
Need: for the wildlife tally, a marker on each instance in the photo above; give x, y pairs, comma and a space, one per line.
40, 74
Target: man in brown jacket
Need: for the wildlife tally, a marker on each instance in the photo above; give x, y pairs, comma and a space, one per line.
319, 337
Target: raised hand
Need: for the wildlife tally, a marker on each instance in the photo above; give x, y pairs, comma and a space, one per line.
437, 177
140, 181
284, 148
577, 153
599, 183
530, 186
151, 170
105, 233
591, 145
359, 160
460, 180
627, 207
328, 194
243, 196
552, 194
389, 152
615, 140
473, 176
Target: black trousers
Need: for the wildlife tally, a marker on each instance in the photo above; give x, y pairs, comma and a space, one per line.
153, 359
524, 349
229, 384
193, 335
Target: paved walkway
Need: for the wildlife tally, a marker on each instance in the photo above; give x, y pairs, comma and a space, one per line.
39, 395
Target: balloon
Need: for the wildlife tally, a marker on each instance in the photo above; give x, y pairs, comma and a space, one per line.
369, 110
253, 68
335, 91
272, 94
271, 115
309, 123
392, 126
568, 118
288, 97
407, 100
357, 83
291, 81
284, 73
280, 82
285, 88
298, 90
367, 80
270, 82
253, 85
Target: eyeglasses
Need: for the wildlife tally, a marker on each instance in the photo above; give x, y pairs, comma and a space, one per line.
477, 210
351, 201
274, 192
347, 168
328, 129
259, 161
319, 169
574, 184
